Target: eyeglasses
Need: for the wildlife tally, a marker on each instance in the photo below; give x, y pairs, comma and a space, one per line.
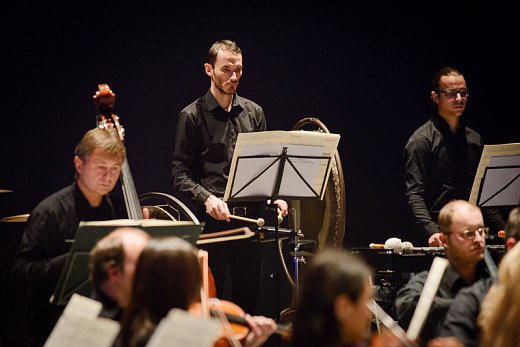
470, 234
452, 94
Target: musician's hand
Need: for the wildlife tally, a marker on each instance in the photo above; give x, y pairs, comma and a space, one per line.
450, 341
435, 240
146, 213
217, 208
260, 328
283, 208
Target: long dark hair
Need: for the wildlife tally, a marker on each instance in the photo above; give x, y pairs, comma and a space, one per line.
331, 273
168, 275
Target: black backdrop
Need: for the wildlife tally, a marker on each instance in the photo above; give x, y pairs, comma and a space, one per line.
363, 69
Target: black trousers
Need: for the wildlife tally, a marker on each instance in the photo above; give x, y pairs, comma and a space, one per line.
236, 265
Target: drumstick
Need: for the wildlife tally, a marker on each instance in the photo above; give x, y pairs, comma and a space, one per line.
260, 221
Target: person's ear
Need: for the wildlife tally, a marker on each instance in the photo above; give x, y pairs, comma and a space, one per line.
113, 272
434, 96
342, 306
78, 164
510, 242
444, 239
209, 69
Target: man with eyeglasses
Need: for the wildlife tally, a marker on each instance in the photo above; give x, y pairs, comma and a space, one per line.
462, 233
461, 319
441, 158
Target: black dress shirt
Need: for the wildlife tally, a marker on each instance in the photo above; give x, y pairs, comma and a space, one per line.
43, 251
205, 141
408, 296
441, 166
461, 319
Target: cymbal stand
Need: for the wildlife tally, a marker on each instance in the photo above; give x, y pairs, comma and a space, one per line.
297, 234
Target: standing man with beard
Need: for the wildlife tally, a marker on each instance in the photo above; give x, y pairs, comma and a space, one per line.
206, 135
463, 236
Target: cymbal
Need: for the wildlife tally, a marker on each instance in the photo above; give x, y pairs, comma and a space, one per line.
15, 219
5, 191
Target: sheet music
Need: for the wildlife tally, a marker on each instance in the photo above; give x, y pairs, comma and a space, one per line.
182, 329
266, 147
80, 326
495, 155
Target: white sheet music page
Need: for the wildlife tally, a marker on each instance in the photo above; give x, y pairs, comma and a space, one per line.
80, 326
182, 329
426, 299
255, 163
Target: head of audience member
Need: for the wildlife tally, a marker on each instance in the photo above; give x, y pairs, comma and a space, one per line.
98, 158
449, 92
113, 261
512, 228
332, 307
224, 67
500, 310
168, 275
463, 234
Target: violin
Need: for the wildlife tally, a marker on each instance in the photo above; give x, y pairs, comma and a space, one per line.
235, 326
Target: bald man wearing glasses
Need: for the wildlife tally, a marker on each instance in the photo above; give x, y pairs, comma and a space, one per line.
463, 237
441, 158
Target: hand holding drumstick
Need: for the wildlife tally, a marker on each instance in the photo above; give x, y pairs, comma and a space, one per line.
218, 209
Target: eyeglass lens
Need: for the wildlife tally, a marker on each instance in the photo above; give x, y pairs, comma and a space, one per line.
452, 94
469, 234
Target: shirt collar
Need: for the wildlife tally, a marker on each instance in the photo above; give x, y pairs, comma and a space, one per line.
212, 104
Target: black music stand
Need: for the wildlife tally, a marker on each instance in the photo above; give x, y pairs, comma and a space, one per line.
497, 181
500, 185
74, 277
280, 165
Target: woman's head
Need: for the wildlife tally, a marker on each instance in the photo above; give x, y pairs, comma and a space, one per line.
168, 275
332, 305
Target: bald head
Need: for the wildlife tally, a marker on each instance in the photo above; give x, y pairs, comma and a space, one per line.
113, 260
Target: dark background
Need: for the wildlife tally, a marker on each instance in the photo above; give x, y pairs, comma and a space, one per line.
362, 69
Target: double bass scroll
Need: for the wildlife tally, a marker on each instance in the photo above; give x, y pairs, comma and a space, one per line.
105, 99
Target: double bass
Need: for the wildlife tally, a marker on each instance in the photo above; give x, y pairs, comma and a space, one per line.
105, 99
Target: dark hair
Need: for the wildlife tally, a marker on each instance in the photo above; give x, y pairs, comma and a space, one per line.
445, 71
107, 252
168, 275
222, 45
331, 272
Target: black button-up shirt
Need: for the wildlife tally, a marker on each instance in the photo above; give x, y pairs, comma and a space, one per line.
441, 166
43, 252
205, 141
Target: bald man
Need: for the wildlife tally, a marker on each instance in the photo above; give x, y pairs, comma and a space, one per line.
112, 267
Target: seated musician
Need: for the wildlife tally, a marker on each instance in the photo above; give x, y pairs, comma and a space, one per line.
332, 307
500, 311
463, 236
112, 266
43, 250
168, 275
461, 319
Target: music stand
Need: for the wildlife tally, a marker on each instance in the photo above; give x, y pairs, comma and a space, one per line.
497, 181
74, 277
280, 165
